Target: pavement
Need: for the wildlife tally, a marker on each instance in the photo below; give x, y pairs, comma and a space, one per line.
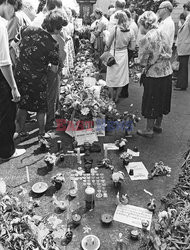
168, 147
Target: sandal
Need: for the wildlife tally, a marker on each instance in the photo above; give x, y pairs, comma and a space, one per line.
145, 133
45, 136
21, 135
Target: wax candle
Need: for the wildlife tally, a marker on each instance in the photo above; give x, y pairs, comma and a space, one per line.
27, 174
76, 218
78, 156
59, 145
105, 153
89, 198
106, 219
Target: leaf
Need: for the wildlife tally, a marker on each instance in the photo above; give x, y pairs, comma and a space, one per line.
163, 246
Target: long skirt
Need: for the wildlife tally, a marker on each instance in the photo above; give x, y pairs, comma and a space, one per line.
118, 74
182, 79
156, 99
7, 120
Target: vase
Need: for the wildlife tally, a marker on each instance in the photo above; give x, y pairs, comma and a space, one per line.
121, 148
49, 166
125, 162
58, 186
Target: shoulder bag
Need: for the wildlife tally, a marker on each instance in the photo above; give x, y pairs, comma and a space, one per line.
107, 58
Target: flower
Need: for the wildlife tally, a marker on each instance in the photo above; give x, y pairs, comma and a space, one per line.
126, 156
58, 178
85, 111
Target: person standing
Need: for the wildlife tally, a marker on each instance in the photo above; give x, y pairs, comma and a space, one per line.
119, 6
38, 50
183, 50
9, 94
166, 25
101, 26
154, 54
120, 40
53, 78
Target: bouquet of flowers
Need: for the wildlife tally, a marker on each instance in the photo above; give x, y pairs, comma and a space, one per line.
20, 228
126, 157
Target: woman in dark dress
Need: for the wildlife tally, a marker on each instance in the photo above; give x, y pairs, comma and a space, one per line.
38, 54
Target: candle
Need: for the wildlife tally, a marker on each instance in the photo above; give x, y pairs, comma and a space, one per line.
27, 174
105, 152
78, 156
76, 218
59, 145
89, 198
134, 234
106, 219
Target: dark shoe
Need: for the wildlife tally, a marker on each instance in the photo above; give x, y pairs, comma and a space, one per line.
179, 89
145, 133
157, 130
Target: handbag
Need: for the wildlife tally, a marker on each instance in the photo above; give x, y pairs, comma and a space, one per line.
107, 58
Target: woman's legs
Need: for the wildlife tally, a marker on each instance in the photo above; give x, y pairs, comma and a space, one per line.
182, 79
20, 120
118, 91
148, 132
41, 118
111, 92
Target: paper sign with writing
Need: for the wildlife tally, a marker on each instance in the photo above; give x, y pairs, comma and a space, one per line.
85, 136
110, 146
131, 152
139, 171
132, 215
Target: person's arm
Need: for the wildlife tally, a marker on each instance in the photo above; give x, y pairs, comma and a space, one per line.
110, 39
100, 28
132, 42
144, 51
8, 74
5, 63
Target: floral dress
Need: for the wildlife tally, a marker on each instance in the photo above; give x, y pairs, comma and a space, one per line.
38, 49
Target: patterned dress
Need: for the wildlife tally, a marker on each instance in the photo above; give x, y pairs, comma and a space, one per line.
154, 54
38, 49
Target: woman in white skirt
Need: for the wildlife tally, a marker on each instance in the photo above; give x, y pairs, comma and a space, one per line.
120, 40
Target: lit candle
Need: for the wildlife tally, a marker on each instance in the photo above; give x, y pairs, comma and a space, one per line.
27, 174
78, 156
76, 218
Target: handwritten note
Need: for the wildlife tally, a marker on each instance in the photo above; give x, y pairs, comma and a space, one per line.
132, 215
85, 136
139, 170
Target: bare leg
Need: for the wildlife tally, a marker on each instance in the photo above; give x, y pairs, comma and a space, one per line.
158, 122
20, 120
150, 124
118, 91
111, 92
41, 117
148, 132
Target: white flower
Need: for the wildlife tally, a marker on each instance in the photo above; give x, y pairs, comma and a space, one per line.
110, 108
85, 111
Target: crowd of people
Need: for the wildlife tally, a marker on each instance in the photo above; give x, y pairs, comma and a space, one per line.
38, 48
121, 31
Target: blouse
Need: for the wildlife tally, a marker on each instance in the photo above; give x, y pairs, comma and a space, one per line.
155, 53
124, 40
